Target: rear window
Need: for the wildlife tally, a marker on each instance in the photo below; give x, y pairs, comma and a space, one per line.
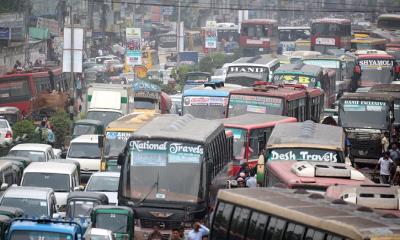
3, 124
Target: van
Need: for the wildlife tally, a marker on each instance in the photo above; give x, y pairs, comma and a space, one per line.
63, 178
85, 150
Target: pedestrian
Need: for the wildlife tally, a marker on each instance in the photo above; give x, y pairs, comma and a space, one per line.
51, 138
199, 231
241, 183
79, 88
385, 142
394, 152
176, 234
156, 234
385, 164
252, 181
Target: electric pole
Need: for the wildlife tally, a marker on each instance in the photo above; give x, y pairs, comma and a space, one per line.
178, 30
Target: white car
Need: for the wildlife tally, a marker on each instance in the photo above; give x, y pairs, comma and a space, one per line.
99, 234
36, 152
6, 133
106, 183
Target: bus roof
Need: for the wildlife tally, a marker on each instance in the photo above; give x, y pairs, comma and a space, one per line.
316, 211
253, 120
307, 134
388, 15
305, 69
37, 226
271, 91
283, 170
130, 122
260, 21
332, 20
294, 28
210, 91
321, 57
263, 59
385, 88
368, 40
369, 96
176, 128
375, 56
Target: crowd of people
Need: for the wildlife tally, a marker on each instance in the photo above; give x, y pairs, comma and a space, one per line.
197, 233
45, 132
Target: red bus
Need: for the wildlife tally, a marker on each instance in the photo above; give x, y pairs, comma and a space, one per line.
314, 176
18, 89
295, 101
388, 27
258, 36
330, 33
377, 67
251, 133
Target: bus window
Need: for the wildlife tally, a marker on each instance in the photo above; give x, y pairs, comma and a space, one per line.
257, 226
275, 228
313, 234
294, 231
239, 223
221, 221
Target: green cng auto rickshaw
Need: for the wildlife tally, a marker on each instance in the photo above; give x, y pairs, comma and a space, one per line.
118, 219
87, 126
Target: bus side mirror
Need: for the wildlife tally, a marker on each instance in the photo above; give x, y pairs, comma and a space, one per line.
120, 160
100, 141
261, 170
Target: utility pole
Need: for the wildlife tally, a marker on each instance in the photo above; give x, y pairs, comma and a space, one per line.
27, 7
71, 22
178, 30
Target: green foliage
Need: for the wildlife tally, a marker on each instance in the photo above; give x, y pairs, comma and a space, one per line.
24, 127
180, 74
215, 60
169, 89
61, 126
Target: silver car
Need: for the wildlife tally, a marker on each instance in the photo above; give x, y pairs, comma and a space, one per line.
6, 133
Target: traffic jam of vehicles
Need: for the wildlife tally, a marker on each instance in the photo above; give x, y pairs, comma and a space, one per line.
264, 126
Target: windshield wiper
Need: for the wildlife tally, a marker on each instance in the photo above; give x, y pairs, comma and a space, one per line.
151, 190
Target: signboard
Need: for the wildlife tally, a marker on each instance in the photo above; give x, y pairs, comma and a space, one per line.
364, 106
247, 69
123, 136
73, 46
12, 20
145, 86
167, 10
303, 155
205, 101
38, 33
51, 24
294, 79
141, 71
211, 38
5, 33
325, 41
376, 63
133, 46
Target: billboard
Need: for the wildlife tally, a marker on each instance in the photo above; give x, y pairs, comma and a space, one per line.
73, 47
211, 38
50, 24
133, 46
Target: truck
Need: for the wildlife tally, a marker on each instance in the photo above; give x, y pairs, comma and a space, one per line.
107, 102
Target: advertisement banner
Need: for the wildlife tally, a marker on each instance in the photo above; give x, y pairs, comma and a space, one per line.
5, 33
211, 38
133, 46
51, 24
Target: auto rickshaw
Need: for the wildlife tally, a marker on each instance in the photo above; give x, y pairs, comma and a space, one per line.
11, 212
87, 126
4, 224
118, 219
81, 204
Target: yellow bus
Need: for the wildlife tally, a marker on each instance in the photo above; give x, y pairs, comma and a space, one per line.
365, 43
278, 214
116, 135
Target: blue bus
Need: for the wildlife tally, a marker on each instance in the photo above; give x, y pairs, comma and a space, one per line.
208, 101
194, 79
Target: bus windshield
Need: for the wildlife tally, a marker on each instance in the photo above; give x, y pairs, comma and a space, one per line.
304, 154
292, 35
205, 107
14, 89
115, 143
239, 142
163, 171
105, 117
29, 234
330, 29
389, 24
145, 103
364, 114
242, 104
376, 70
308, 81
254, 30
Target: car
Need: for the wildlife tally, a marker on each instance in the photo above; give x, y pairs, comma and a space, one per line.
99, 234
63, 178
105, 182
6, 132
34, 201
37, 152
85, 150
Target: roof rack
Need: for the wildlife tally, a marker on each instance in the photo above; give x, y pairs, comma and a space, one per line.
326, 169
373, 196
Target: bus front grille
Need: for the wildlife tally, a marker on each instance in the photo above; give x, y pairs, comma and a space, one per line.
164, 225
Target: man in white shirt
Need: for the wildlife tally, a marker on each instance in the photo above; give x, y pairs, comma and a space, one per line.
198, 232
251, 181
385, 163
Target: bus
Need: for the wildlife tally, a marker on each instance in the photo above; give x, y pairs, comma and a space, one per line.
330, 33
178, 164
394, 91
251, 133
209, 101
245, 71
227, 37
194, 79
310, 76
387, 28
147, 97
166, 42
18, 89
150, 59
366, 118
116, 135
381, 197
343, 66
376, 67
311, 176
366, 43
290, 37
258, 36
278, 214
294, 101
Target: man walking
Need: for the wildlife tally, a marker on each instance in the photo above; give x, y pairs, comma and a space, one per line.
384, 163
198, 232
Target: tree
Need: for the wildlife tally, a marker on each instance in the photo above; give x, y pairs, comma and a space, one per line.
24, 127
214, 61
61, 127
179, 74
